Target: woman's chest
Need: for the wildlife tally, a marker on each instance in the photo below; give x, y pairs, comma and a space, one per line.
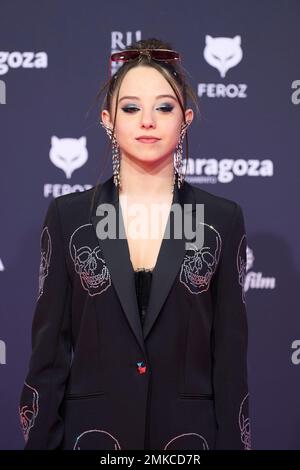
145, 226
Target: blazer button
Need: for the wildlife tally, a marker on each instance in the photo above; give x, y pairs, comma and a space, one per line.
141, 367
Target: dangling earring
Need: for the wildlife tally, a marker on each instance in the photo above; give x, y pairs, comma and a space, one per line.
178, 156
116, 158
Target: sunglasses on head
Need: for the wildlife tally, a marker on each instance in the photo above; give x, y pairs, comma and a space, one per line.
165, 55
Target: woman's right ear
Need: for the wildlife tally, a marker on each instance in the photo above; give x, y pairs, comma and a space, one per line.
105, 123
105, 117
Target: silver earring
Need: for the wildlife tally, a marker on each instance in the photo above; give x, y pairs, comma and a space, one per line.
116, 157
178, 156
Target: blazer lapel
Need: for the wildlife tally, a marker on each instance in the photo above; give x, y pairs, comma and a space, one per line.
117, 257
169, 260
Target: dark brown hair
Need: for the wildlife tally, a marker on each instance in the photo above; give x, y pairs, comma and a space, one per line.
171, 71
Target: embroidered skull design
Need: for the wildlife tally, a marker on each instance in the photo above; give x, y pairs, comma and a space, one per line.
241, 264
96, 439
46, 249
244, 423
187, 441
200, 264
29, 409
88, 261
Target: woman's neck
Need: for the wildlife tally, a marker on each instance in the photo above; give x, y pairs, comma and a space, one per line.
144, 183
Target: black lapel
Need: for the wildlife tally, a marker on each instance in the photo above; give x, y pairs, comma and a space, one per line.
117, 256
169, 260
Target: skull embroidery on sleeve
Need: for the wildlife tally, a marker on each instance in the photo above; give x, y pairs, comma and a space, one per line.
241, 264
244, 423
29, 409
46, 249
199, 265
88, 261
96, 439
187, 441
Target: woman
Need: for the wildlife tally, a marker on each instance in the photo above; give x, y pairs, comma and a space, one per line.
140, 341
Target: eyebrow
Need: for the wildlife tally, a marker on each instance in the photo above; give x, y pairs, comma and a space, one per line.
137, 98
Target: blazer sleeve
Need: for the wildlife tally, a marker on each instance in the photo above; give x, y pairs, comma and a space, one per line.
50, 359
230, 338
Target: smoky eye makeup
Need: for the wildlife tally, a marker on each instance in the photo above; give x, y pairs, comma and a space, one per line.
129, 108
167, 108
164, 107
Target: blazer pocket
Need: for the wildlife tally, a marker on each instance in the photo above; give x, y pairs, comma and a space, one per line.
77, 396
196, 396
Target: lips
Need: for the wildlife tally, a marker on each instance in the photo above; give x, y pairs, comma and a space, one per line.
148, 140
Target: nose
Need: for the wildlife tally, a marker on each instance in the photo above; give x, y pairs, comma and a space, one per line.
147, 120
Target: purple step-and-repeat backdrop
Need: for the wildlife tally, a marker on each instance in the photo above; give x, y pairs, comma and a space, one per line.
244, 63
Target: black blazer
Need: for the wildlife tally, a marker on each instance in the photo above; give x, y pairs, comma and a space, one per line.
97, 379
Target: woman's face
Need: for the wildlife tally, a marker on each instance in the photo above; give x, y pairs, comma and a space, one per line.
147, 106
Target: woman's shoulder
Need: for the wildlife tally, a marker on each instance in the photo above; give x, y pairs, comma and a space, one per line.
74, 209
77, 199
224, 215
213, 202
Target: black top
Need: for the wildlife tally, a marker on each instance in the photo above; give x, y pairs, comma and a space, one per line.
143, 278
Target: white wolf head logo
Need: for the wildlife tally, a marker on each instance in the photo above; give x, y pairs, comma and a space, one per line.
223, 53
68, 154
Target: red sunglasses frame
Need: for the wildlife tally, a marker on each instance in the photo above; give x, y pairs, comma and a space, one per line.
164, 55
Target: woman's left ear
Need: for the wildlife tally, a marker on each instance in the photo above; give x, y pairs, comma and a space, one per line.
189, 115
